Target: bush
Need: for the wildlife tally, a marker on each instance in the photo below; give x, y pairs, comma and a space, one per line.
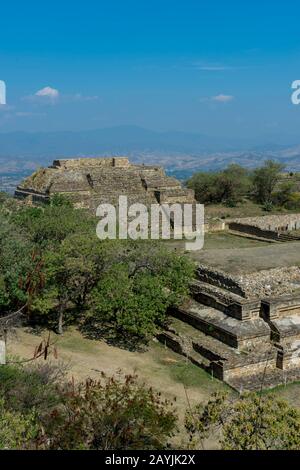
114, 413
227, 187
294, 202
252, 422
17, 431
24, 388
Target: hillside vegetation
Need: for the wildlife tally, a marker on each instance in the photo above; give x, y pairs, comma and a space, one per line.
54, 264
266, 188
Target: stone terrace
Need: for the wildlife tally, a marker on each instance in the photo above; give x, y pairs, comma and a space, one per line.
242, 323
276, 223
240, 261
273, 227
88, 182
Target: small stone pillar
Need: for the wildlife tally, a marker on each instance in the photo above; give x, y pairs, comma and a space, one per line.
2, 352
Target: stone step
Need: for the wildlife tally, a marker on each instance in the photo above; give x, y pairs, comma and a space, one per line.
288, 237
285, 328
171, 340
227, 297
224, 362
227, 302
235, 333
251, 236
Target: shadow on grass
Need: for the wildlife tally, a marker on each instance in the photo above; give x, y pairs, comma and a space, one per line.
108, 333
37, 330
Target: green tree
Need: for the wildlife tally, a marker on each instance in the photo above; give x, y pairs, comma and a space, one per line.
253, 422
227, 187
284, 195
265, 180
127, 284
205, 187
135, 292
233, 184
50, 225
17, 263
71, 271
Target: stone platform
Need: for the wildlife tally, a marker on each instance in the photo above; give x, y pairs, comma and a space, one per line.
247, 337
281, 228
88, 182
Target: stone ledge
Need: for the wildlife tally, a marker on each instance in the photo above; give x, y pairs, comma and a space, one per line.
228, 330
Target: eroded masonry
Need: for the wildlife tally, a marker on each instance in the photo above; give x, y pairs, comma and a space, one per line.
242, 323
243, 329
88, 182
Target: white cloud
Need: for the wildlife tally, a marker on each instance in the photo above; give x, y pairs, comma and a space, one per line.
222, 98
46, 95
48, 92
49, 95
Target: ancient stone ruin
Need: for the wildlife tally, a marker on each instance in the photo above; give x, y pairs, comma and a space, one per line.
285, 227
243, 329
242, 326
88, 182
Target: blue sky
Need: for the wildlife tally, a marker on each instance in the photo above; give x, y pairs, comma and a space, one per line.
213, 67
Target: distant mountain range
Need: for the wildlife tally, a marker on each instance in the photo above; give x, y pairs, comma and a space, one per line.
121, 139
181, 153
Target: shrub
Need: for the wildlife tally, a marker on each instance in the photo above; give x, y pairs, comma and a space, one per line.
17, 431
112, 413
252, 422
24, 388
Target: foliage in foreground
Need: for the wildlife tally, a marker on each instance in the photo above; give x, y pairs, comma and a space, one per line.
112, 413
40, 409
253, 422
27, 394
17, 431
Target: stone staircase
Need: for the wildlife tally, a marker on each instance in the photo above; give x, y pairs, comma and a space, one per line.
250, 344
288, 237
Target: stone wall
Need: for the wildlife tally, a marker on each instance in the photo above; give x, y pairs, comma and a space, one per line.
260, 284
269, 226
219, 279
214, 225
251, 369
253, 230
279, 307
76, 163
